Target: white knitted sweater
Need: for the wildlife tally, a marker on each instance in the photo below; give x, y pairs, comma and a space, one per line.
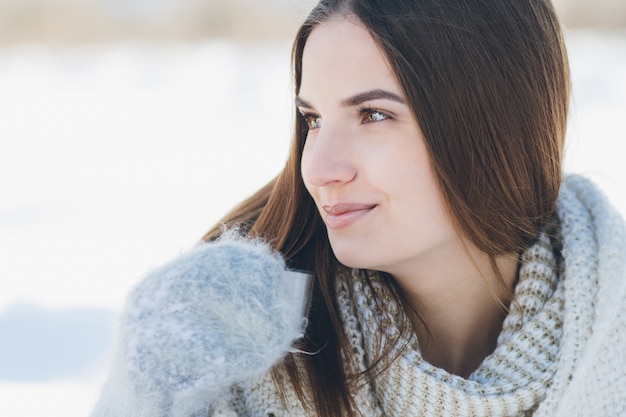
561, 351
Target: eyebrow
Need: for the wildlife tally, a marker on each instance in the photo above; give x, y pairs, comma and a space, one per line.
360, 98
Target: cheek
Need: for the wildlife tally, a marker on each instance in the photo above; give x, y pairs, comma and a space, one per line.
409, 174
411, 179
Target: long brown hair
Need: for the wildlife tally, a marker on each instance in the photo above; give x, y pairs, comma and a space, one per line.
488, 82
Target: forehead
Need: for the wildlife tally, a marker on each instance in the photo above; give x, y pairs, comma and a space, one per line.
341, 58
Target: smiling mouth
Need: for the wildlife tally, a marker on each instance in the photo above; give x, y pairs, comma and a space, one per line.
344, 215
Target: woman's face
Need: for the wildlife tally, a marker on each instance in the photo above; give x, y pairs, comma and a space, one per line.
364, 160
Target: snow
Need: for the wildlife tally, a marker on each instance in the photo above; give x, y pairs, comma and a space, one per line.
115, 158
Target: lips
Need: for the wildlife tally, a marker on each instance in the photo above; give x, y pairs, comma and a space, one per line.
345, 214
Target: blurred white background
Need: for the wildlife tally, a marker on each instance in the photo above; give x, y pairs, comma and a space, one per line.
128, 128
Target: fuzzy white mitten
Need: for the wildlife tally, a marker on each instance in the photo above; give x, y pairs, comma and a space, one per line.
222, 313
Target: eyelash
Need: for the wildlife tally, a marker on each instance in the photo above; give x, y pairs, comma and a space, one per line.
307, 117
365, 111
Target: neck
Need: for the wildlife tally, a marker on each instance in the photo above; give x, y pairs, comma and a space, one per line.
460, 316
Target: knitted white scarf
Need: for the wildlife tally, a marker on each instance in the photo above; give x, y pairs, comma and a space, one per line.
511, 381
560, 351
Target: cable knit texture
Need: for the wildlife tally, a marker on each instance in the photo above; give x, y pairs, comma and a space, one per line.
560, 353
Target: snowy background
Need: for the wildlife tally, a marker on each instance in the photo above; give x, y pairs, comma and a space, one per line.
115, 158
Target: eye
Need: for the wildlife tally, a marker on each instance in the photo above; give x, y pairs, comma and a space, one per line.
313, 121
369, 115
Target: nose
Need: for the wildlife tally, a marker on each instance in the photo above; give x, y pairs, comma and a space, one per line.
327, 158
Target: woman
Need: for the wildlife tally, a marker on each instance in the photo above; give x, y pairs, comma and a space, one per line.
457, 272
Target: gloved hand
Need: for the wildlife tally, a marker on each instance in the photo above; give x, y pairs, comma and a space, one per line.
222, 313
